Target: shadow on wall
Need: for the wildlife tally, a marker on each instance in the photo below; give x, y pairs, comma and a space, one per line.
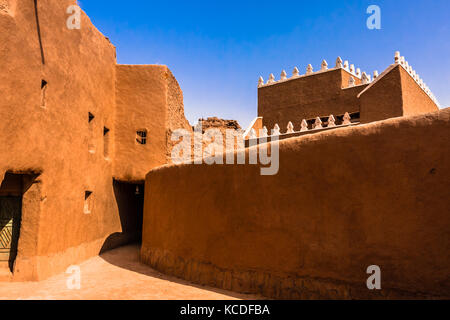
130, 201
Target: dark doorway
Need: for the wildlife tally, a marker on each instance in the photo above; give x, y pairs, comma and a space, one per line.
11, 193
130, 201
10, 218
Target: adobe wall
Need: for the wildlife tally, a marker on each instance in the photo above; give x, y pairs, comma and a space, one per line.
343, 200
148, 97
141, 96
175, 118
395, 94
79, 66
383, 100
308, 97
415, 100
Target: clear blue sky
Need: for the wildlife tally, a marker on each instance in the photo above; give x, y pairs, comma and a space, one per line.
218, 49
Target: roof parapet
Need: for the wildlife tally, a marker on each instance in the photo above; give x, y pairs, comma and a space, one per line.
324, 67
400, 60
356, 73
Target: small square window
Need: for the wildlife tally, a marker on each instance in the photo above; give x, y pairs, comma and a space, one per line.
141, 136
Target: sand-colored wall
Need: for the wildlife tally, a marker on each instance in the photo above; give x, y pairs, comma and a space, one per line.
395, 94
175, 118
141, 94
343, 200
79, 66
148, 97
415, 100
383, 100
308, 97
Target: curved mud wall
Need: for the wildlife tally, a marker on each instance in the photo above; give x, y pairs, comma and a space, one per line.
343, 200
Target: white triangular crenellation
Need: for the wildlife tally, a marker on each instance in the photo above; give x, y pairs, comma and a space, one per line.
260, 82
276, 130
252, 134
364, 78
290, 127
304, 126
318, 124
331, 121
264, 132
351, 82
347, 119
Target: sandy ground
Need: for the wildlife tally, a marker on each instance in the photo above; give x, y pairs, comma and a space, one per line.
118, 275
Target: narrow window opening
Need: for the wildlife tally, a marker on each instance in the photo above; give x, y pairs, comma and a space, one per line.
88, 202
141, 136
106, 142
44, 86
91, 143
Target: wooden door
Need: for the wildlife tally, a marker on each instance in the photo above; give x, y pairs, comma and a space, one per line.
10, 216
